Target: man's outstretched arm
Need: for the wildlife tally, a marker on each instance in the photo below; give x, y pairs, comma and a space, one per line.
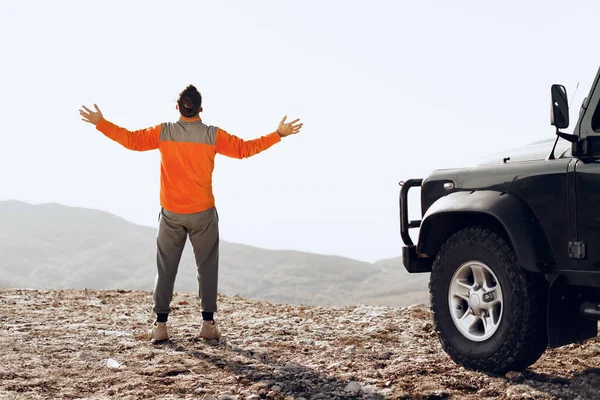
235, 147
140, 140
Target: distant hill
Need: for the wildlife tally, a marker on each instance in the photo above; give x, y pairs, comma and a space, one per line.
51, 246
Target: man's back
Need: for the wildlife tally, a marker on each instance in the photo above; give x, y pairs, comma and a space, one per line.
188, 148
188, 151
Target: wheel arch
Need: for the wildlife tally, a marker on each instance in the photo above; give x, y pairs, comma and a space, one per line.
505, 214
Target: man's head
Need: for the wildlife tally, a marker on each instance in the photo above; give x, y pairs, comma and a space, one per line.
189, 102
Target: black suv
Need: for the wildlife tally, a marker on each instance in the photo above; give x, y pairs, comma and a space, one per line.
513, 245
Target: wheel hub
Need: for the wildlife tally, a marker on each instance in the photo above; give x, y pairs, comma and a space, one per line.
474, 302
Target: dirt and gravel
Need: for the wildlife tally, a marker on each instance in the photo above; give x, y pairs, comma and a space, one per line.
79, 344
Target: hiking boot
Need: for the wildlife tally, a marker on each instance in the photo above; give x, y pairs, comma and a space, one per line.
158, 332
210, 330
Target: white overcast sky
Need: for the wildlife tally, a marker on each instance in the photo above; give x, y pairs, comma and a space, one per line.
387, 90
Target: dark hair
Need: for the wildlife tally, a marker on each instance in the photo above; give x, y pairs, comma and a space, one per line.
189, 101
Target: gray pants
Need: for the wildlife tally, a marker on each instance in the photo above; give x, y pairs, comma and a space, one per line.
173, 229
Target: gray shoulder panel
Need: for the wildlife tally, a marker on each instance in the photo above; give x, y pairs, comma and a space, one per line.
188, 132
164, 131
212, 134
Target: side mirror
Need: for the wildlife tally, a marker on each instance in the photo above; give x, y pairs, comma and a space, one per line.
559, 112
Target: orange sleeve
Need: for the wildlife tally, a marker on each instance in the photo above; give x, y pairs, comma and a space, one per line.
140, 140
232, 146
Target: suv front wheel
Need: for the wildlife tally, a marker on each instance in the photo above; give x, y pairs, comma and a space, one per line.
488, 312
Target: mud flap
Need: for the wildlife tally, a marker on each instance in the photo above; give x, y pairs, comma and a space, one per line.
565, 323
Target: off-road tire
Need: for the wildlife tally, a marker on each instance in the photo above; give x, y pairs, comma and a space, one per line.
520, 338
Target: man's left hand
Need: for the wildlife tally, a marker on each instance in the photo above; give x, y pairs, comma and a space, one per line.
91, 116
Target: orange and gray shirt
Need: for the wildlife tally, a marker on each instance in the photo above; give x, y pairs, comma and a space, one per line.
188, 148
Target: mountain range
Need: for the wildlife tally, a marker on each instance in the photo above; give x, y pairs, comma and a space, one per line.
52, 246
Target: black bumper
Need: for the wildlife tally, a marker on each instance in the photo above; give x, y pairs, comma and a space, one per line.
412, 263
405, 223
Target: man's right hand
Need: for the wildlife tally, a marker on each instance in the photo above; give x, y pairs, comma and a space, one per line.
291, 128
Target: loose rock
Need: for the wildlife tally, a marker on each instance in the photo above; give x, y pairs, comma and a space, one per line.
514, 376
323, 353
353, 388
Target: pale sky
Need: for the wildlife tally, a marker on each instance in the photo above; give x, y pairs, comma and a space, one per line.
387, 90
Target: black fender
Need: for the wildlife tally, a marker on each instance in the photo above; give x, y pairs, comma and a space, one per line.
509, 215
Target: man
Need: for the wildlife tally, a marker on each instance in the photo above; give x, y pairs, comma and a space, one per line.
188, 148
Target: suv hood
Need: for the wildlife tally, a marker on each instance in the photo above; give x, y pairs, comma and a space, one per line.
534, 151
492, 173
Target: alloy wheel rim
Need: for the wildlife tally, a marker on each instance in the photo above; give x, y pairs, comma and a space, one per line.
475, 301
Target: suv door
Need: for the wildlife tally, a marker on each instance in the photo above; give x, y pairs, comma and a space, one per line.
587, 200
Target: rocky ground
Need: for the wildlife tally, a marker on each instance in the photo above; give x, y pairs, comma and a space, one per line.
93, 345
